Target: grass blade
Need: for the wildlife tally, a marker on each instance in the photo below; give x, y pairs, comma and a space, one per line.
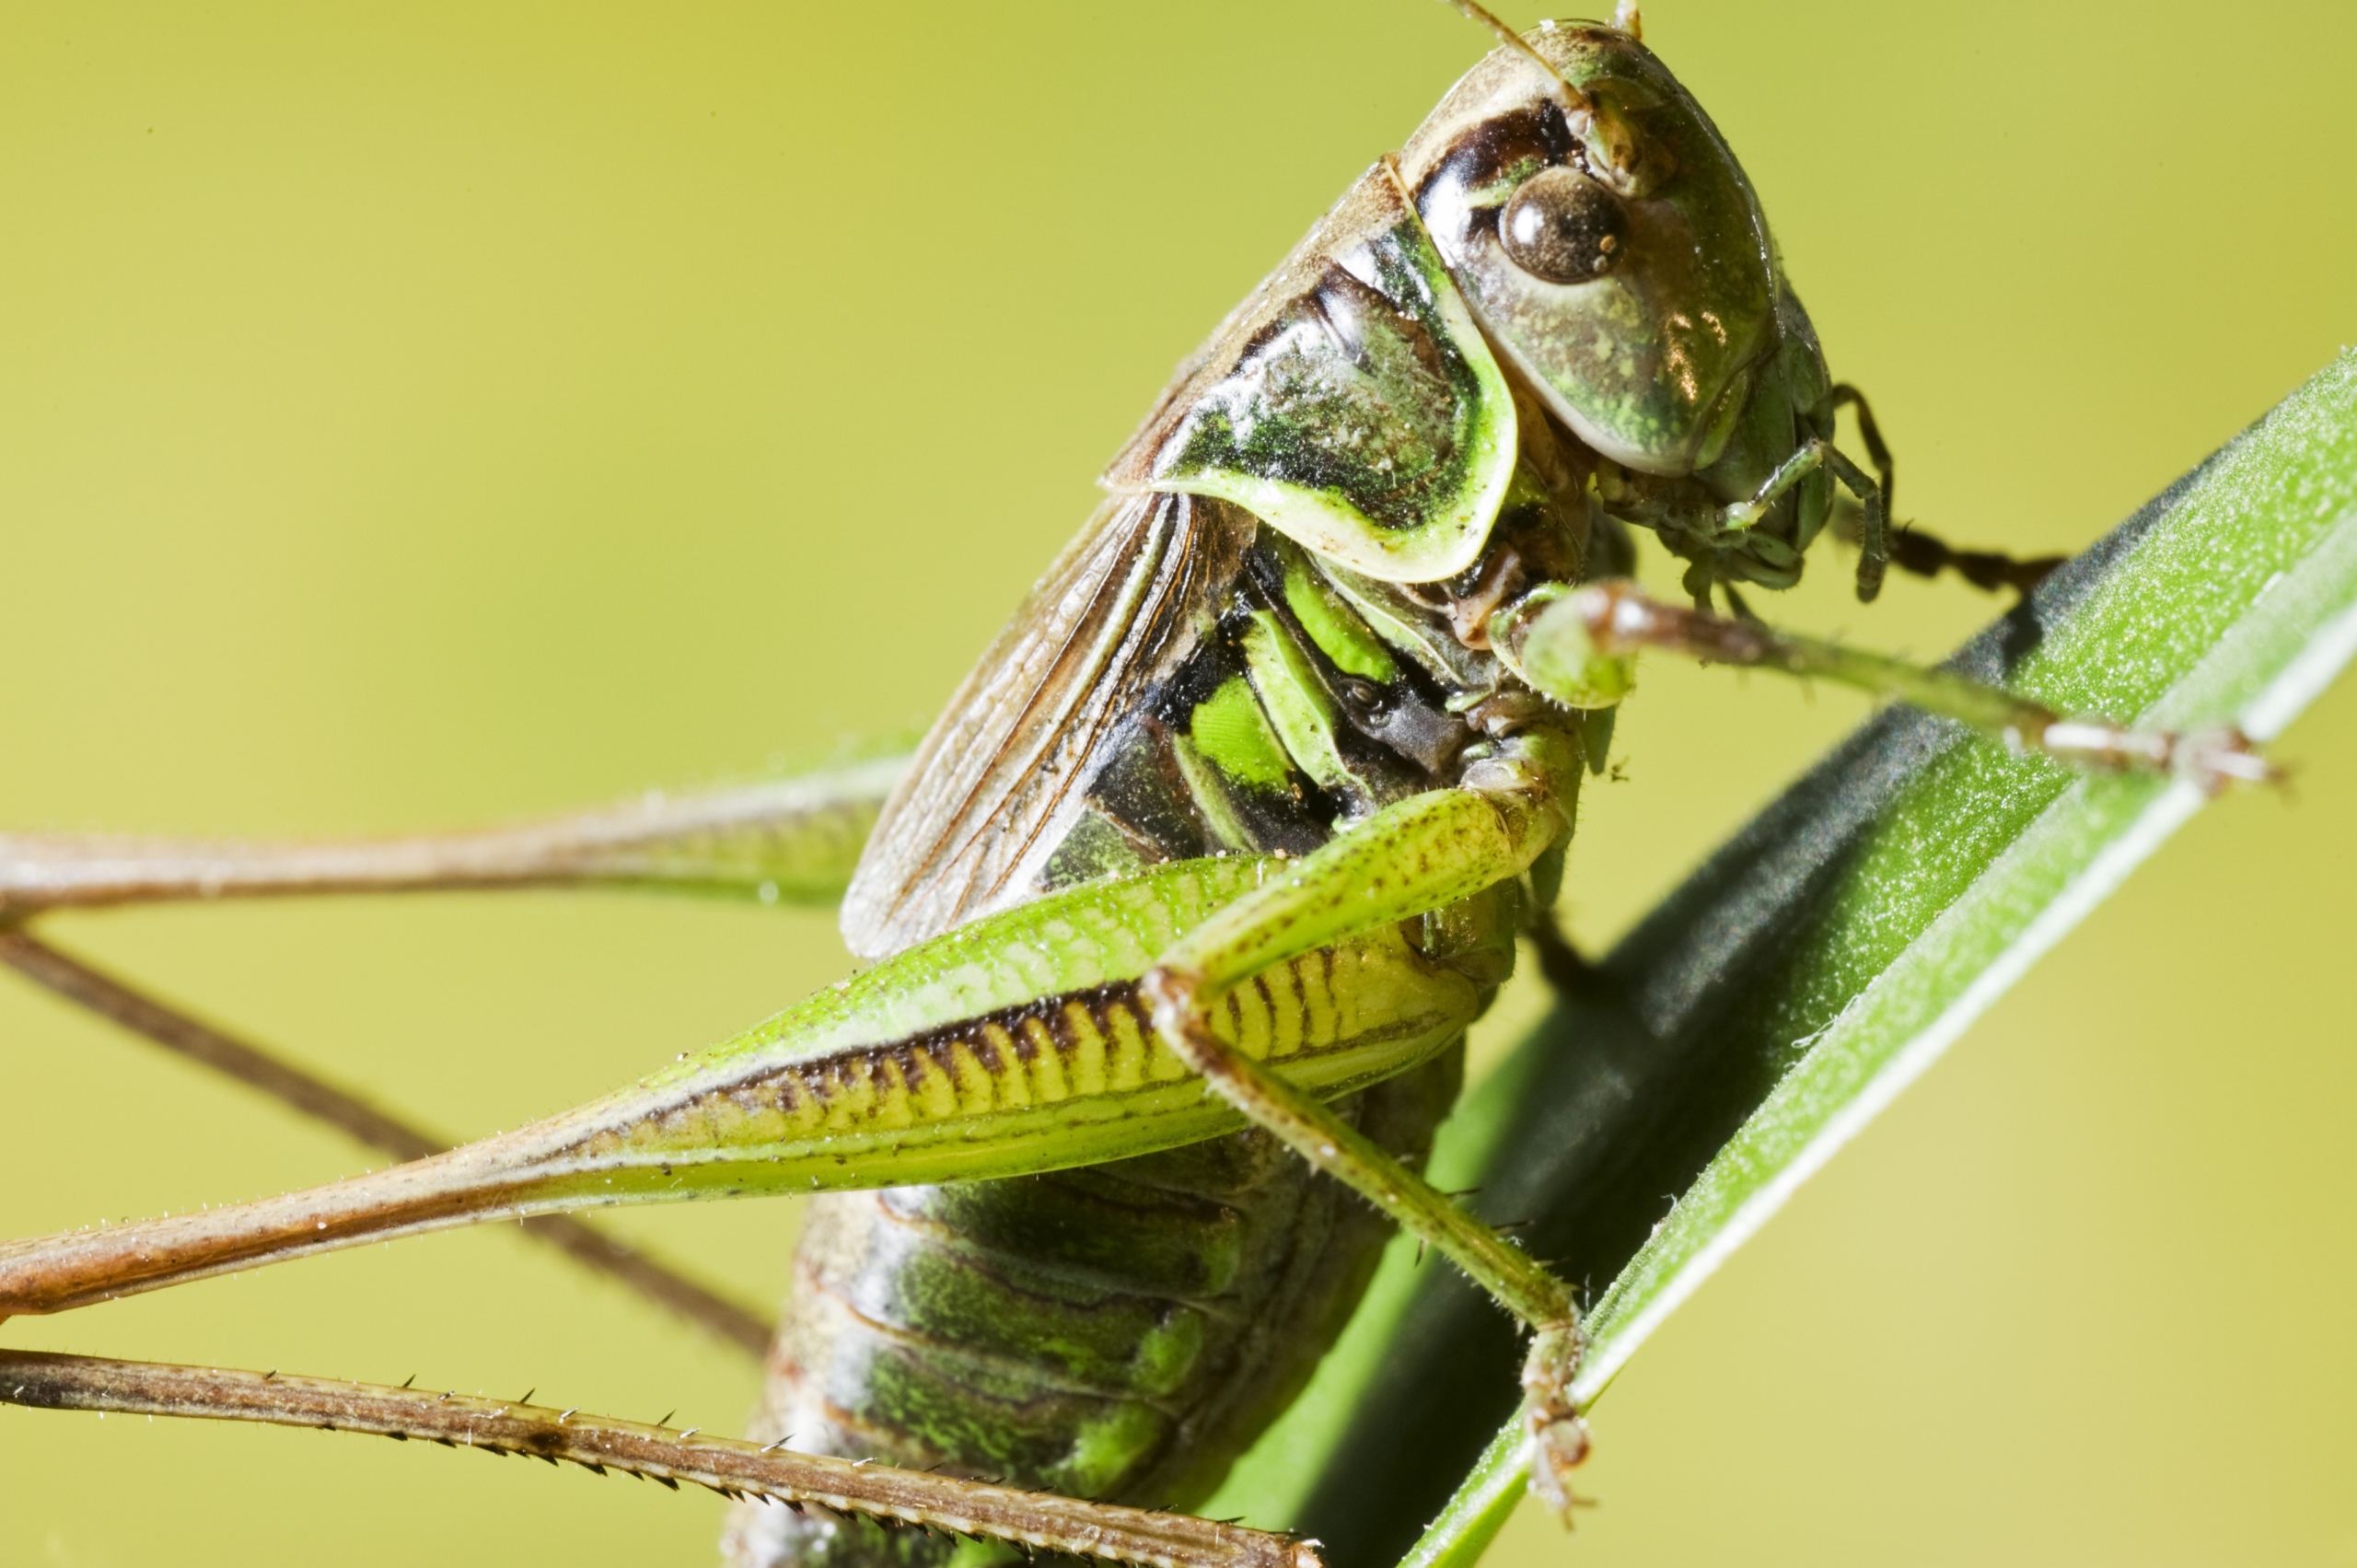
1814, 967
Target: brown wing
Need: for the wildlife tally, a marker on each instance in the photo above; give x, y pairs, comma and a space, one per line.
1001, 777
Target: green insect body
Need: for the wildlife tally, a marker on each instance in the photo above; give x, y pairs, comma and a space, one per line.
1191, 892
1307, 536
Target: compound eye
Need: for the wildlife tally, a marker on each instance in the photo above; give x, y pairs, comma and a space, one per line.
1563, 227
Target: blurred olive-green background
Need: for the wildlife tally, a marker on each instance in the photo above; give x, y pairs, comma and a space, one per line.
418, 414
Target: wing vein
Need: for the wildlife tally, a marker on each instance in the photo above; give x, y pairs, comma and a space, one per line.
999, 772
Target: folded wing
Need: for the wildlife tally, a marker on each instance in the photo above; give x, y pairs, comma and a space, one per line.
1000, 778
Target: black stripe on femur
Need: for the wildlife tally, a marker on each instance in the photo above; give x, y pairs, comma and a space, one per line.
929, 1052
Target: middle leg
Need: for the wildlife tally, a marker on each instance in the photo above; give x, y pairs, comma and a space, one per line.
1413, 858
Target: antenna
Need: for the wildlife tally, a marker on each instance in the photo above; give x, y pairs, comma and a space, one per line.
1578, 102
1607, 136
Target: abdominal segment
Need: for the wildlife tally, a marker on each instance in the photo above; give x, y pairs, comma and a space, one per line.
1119, 1332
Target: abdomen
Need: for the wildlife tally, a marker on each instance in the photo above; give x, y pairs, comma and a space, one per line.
1121, 1332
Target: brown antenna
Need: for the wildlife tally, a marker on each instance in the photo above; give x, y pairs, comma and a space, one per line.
1576, 101
1606, 136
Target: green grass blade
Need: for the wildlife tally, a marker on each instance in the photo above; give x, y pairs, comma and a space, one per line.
1818, 964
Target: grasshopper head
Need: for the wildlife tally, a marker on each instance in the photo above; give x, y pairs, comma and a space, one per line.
1613, 251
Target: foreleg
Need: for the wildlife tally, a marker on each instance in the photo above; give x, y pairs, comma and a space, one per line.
1566, 642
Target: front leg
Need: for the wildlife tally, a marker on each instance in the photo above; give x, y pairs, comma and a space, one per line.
1408, 860
1570, 642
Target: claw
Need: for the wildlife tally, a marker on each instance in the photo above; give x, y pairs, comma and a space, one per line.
1558, 1436
2212, 759
2226, 757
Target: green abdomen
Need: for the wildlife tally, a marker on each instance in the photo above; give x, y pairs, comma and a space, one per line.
1119, 1332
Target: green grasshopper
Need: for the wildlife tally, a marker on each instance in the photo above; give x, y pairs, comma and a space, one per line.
1196, 886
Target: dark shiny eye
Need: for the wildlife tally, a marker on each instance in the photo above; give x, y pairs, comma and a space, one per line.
1563, 227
